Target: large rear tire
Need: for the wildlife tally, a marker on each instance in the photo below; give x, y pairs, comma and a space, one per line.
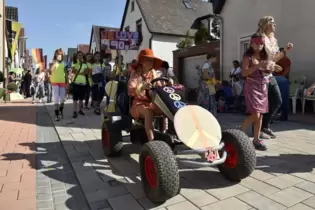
241, 155
159, 171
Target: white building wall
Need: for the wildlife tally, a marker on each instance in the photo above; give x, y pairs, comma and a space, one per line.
131, 19
163, 47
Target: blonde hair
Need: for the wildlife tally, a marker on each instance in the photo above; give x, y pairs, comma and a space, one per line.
263, 24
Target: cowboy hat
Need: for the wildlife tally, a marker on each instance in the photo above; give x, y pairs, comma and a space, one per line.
148, 53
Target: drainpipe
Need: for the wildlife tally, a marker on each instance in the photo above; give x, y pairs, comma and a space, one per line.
150, 42
221, 45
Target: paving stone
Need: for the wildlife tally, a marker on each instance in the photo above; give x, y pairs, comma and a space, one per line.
105, 193
43, 190
44, 204
183, 205
147, 204
60, 199
258, 186
306, 186
290, 196
136, 190
197, 196
310, 202
284, 181
44, 197
307, 176
261, 175
259, 202
61, 206
228, 204
102, 204
121, 202
300, 206
227, 192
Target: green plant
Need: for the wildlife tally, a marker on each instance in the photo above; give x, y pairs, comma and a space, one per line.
185, 42
202, 35
12, 87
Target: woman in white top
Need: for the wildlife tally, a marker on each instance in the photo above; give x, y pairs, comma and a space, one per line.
267, 27
39, 79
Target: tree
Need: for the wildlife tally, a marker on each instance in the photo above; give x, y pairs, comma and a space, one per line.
185, 42
202, 35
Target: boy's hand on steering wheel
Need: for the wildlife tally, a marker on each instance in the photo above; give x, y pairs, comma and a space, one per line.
146, 86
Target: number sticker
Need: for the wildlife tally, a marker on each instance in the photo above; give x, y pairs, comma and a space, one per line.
175, 97
179, 104
168, 89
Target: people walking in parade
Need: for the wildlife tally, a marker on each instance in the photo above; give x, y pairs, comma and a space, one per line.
98, 85
89, 61
58, 80
267, 27
48, 86
39, 79
27, 83
79, 82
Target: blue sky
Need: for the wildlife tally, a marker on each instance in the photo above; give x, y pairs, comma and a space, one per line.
51, 24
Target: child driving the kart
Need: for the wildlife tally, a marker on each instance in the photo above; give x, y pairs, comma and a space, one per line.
142, 73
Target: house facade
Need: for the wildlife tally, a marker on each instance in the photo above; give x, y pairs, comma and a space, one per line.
295, 23
161, 24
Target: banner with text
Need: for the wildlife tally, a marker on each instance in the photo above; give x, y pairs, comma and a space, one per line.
120, 40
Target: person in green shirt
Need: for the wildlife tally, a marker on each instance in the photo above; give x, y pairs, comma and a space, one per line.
89, 60
80, 82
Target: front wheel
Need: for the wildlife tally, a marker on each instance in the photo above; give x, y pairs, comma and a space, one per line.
241, 155
111, 141
159, 171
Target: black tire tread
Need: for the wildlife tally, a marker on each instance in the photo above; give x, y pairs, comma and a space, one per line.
115, 145
246, 153
167, 169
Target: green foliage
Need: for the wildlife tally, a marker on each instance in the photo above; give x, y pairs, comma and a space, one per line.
186, 42
12, 86
202, 35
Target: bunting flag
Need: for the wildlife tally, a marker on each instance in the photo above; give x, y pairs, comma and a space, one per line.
13, 32
37, 58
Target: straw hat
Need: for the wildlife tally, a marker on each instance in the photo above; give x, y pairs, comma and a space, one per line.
148, 53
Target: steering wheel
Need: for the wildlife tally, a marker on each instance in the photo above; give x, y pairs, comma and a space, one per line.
160, 79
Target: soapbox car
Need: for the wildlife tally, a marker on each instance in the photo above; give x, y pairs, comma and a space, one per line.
192, 130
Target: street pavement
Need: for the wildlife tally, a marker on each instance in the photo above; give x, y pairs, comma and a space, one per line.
72, 172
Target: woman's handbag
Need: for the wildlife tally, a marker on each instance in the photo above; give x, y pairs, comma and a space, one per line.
72, 83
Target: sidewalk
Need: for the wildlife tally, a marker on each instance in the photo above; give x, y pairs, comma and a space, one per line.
17, 176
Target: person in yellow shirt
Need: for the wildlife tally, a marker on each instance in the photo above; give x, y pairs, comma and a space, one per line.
89, 61
80, 82
58, 82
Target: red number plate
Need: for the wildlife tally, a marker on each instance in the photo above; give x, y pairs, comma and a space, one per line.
211, 155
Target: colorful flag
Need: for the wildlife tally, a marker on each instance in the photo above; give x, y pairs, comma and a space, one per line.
37, 58
16, 28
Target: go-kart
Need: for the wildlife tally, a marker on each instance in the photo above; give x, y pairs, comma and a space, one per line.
191, 130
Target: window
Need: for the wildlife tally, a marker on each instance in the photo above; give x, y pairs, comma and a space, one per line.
187, 4
127, 28
132, 6
139, 30
139, 26
243, 45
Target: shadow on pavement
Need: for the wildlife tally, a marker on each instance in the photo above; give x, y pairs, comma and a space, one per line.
107, 178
